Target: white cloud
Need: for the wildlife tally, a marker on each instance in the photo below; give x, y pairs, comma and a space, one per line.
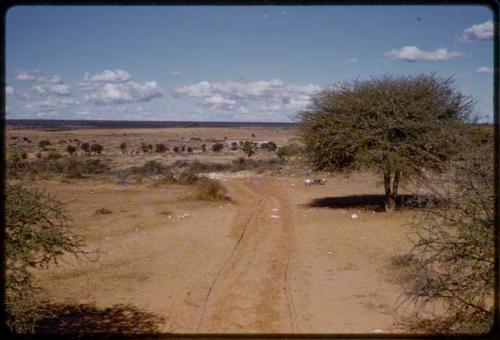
49, 106
250, 97
121, 93
484, 69
112, 76
9, 90
176, 73
25, 75
56, 89
55, 79
413, 53
352, 61
482, 32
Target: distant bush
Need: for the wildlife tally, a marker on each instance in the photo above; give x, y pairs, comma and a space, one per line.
175, 149
147, 169
189, 149
217, 147
160, 148
96, 148
183, 148
62, 141
38, 155
85, 147
204, 148
270, 146
210, 190
70, 149
123, 148
103, 211
43, 144
53, 155
248, 148
234, 146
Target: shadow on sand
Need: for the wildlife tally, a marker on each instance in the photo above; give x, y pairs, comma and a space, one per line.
373, 202
85, 319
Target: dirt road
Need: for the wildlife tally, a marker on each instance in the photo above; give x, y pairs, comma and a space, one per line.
264, 263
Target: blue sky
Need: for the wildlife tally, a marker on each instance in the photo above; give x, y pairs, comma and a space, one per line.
222, 63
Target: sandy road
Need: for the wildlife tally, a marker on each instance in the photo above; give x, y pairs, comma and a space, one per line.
250, 292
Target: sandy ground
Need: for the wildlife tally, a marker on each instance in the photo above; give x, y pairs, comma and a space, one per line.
278, 258
267, 262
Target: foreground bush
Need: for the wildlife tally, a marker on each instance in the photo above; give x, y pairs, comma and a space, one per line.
37, 233
455, 245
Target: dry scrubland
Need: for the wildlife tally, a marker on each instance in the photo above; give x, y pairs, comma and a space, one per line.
269, 255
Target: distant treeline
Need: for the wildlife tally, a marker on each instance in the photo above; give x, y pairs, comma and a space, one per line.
123, 124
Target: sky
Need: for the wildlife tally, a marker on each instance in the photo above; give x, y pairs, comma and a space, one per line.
230, 63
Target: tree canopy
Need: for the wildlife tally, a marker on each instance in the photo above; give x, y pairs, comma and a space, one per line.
397, 126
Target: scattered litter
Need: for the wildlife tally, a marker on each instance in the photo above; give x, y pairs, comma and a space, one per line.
169, 217
354, 216
136, 229
378, 330
373, 211
275, 216
330, 252
343, 212
293, 184
274, 209
184, 215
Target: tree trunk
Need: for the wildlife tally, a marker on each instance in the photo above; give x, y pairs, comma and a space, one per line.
391, 191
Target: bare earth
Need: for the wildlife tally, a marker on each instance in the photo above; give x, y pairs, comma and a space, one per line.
265, 262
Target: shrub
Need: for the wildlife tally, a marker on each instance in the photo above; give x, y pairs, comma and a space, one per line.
62, 141
455, 242
288, 151
187, 177
38, 155
183, 148
175, 149
85, 147
210, 190
248, 148
37, 233
270, 146
160, 148
96, 148
123, 147
189, 149
234, 146
70, 149
204, 148
43, 144
53, 155
217, 147
103, 211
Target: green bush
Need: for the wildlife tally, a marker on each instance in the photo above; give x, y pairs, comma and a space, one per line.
96, 148
43, 144
53, 155
210, 190
70, 149
289, 151
37, 233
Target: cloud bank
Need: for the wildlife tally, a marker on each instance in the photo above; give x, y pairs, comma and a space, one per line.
413, 53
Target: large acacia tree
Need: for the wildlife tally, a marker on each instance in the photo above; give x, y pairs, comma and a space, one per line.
398, 126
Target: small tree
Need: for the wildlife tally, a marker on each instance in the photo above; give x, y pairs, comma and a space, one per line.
217, 147
248, 148
160, 148
70, 149
85, 147
123, 148
96, 148
270, 146
397, 126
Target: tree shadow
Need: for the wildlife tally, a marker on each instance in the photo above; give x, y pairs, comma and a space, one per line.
372, 202
86, 318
